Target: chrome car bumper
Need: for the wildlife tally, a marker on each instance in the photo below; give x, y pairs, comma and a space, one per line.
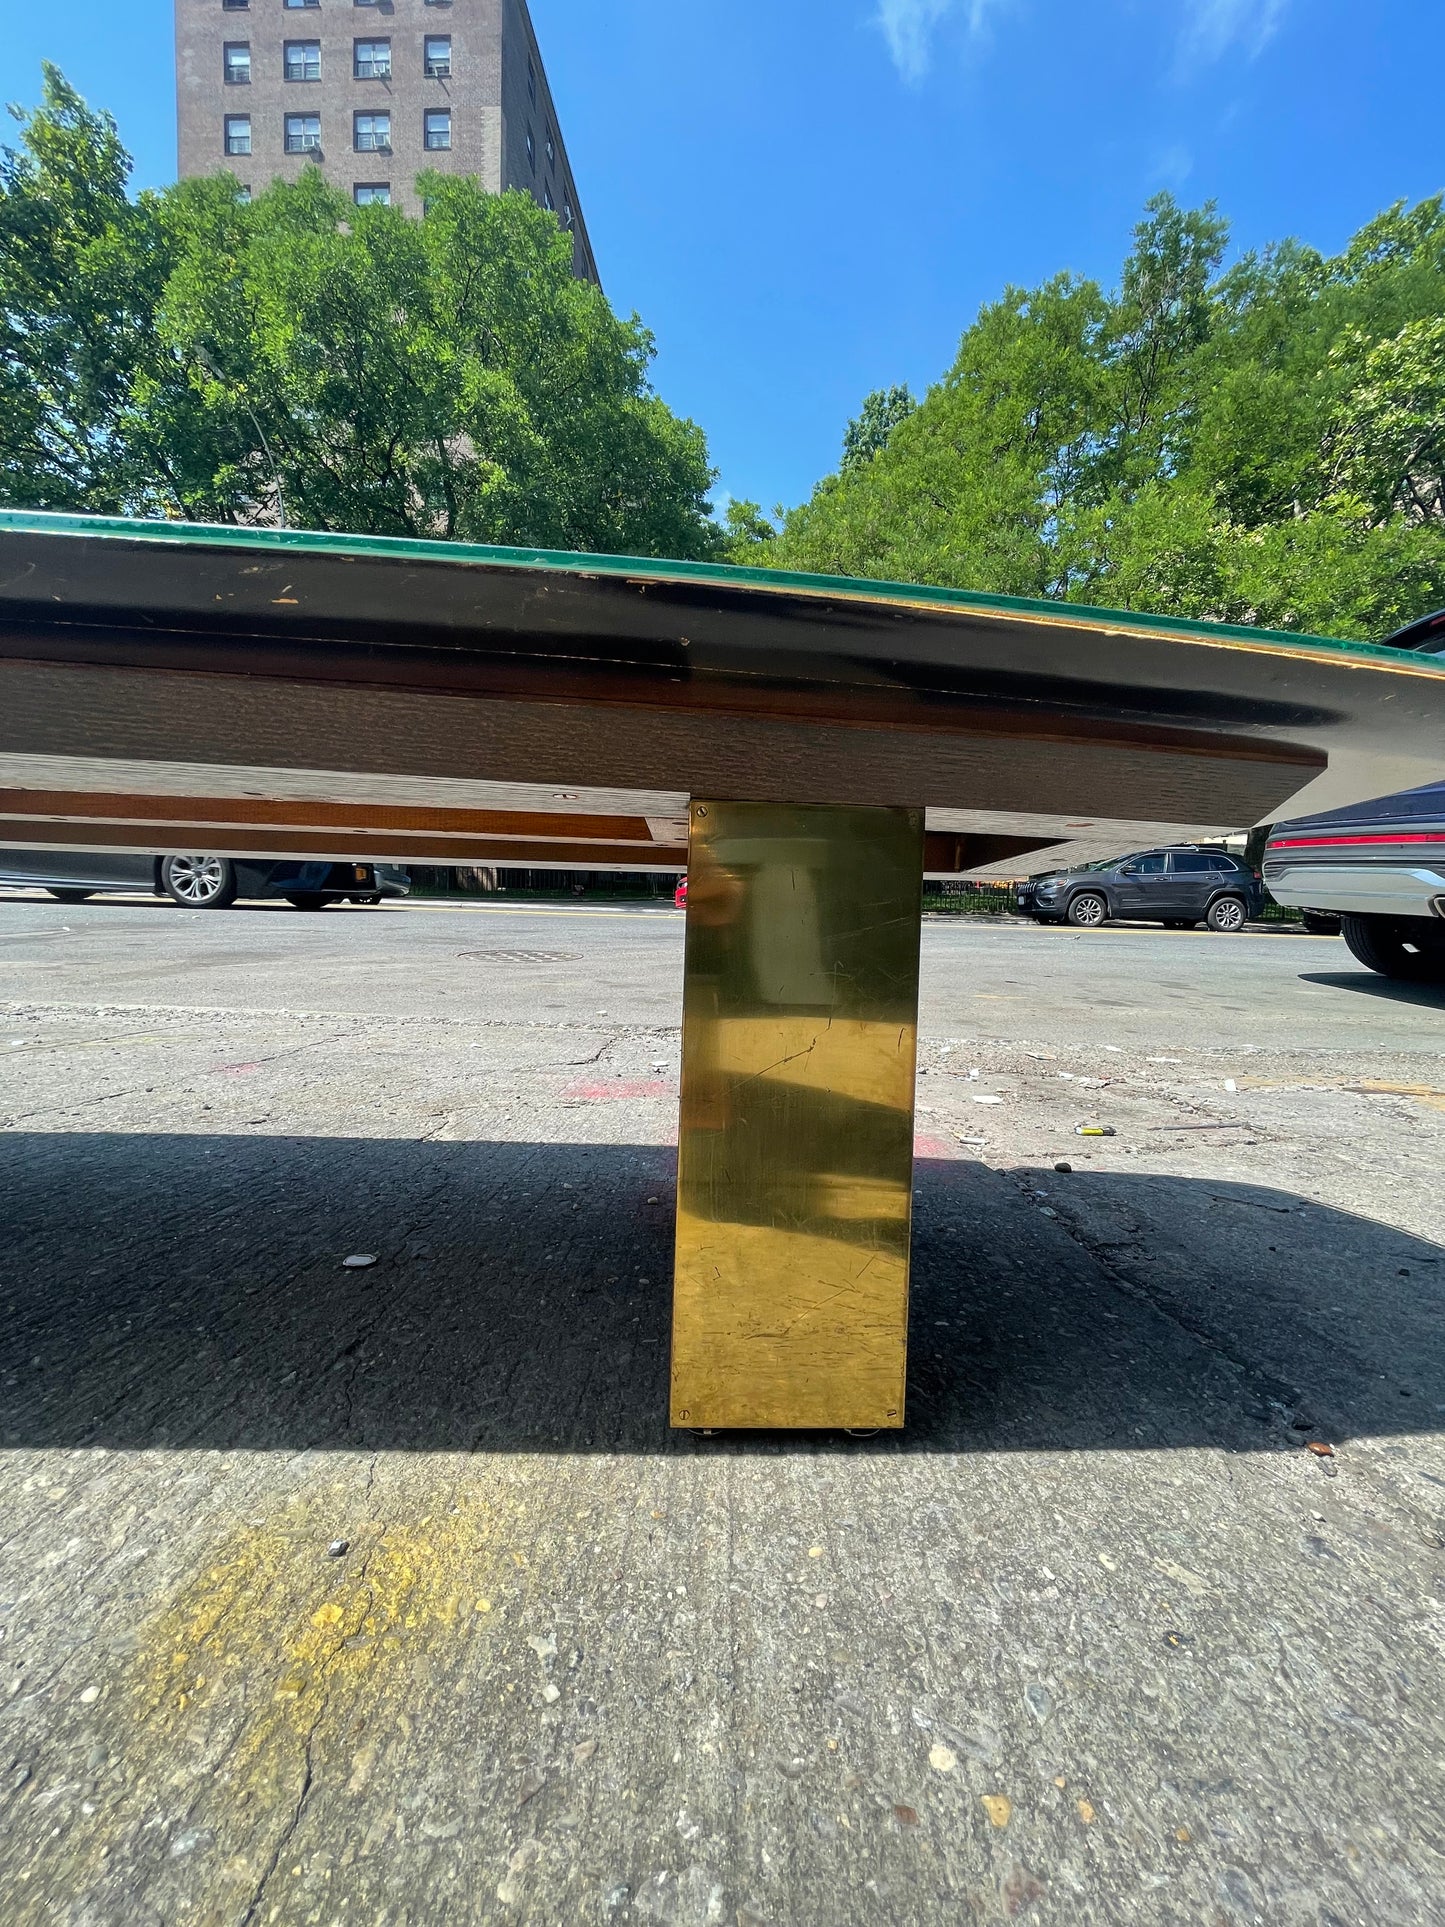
1359, 889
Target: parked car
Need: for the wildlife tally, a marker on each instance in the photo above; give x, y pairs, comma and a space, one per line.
1380, 868
679, 895
200, 882
1179, 887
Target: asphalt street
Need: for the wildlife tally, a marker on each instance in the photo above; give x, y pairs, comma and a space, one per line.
382, 1593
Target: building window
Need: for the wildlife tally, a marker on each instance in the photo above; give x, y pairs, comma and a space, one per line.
372, 194
531, 151
532, 80
237, 63
235, 6
303, 133
297, 4
372, 60
372, 133
238, 133
567, 214
438, 131
303, 60
243, 194
547, 201
439, 56
551, 148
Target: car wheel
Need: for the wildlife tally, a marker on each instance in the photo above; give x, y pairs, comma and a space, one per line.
1320, 924
1227, 915
70, 896
199, 882
1088, 910
1180, 923
1407, 948
306, 900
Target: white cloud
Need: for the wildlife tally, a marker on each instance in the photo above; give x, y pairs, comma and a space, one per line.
1213, 27
909, 25
1210, 29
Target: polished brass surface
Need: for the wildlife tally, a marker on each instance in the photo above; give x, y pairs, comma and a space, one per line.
795, 1155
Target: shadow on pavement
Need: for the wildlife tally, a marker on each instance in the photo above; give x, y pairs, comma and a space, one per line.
1427, 996
188, 1291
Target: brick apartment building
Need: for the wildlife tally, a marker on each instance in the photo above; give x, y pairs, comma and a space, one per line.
374, 92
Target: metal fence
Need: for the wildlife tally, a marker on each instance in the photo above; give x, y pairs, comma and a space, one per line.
473, 881
964, 899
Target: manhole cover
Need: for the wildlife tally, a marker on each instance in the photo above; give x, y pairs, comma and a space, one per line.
522, 956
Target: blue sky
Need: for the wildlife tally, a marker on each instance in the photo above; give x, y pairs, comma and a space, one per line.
809, 199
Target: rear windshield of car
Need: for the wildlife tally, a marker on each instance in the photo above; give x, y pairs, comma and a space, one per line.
1197, 863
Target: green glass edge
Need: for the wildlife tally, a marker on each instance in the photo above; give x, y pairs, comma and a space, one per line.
731, 575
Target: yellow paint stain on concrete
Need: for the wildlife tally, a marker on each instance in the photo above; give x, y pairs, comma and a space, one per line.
306, 1641
290, 1669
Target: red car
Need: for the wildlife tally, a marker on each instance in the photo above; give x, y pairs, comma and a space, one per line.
679, 895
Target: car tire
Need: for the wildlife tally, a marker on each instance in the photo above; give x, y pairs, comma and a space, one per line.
1408, 949
306, 900
1088, 910
1320, 924
199, 882
1227, 916
70, 896
1180, 923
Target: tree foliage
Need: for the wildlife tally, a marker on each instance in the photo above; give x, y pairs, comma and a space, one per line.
196, 354
1263, 443
876, 420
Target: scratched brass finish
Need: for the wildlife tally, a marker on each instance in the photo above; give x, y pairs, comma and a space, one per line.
795, 1156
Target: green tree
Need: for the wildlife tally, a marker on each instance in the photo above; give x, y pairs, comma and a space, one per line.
880, 414
1387, 448
971, 484
747, 532
354, 368
1263, 444
81, 269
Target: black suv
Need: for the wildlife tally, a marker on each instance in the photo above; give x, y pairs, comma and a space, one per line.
1178, 887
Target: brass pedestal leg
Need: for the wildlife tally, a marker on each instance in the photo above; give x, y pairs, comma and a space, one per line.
795, 1152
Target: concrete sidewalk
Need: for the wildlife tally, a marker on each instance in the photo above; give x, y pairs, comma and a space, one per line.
383, 1594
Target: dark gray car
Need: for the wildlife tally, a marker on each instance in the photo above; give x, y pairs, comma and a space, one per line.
1180, 887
